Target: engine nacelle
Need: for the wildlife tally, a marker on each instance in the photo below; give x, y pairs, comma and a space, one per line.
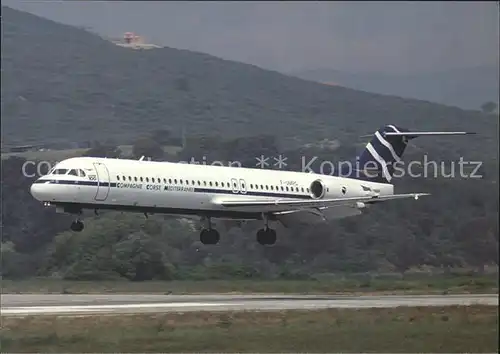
318, 189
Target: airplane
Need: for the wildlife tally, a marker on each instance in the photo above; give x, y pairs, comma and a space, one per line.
228, 193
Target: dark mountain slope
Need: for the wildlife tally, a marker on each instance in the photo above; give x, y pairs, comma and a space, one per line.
62, 83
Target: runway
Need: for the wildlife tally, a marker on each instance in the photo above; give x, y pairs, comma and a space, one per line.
35, 304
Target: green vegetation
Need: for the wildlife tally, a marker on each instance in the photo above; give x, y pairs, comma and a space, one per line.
415, 283
489, 107
46, 155
59, 155
441, 329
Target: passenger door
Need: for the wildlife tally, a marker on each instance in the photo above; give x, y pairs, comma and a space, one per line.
103, 182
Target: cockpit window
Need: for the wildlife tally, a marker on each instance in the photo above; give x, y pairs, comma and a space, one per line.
62, 171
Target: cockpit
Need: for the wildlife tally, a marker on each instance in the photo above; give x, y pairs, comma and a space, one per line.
63, 182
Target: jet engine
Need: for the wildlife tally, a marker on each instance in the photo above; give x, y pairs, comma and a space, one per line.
318, 189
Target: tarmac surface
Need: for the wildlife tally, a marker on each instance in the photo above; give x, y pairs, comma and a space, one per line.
41, 304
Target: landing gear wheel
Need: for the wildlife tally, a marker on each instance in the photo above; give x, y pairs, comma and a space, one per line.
266, 236
77, 226
209, 236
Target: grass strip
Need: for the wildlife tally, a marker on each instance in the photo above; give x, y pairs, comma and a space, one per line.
487, 283
405, 329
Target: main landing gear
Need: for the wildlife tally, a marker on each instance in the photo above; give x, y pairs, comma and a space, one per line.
209, 236
266, 236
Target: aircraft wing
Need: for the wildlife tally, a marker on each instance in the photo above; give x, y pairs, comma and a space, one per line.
283, 205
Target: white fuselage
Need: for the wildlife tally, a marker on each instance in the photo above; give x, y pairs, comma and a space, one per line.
176, 188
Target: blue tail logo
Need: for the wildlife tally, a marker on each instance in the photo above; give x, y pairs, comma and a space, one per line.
376, 162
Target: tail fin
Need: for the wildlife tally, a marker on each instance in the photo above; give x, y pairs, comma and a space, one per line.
376, 162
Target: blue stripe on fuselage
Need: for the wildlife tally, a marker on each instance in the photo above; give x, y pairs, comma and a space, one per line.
194, 189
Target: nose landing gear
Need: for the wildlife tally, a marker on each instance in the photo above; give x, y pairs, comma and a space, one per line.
77, 226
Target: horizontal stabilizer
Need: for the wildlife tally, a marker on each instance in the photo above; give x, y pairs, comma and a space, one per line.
416, 134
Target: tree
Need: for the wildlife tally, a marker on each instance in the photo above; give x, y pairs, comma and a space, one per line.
139, 257
13, 263
149, 148
103, 150
405, 253
479, 240
489, 107
161, 136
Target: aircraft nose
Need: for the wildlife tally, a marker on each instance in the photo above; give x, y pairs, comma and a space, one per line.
36, 191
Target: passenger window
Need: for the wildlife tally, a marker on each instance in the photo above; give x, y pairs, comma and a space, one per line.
129, 178
175, 181
302, 189
199, 183
204, 183
210, 183
117, 178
